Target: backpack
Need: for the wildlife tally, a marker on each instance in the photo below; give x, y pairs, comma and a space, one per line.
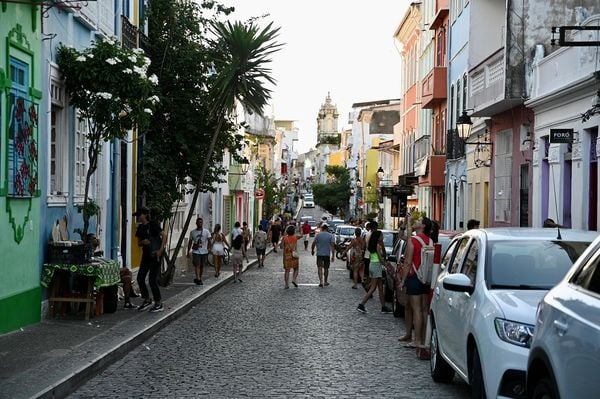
426, 268
237, 242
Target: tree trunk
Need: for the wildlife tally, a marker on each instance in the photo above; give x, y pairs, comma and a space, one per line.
167, 276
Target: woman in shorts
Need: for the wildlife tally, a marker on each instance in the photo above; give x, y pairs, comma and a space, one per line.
376, 257
219, 243
355, 253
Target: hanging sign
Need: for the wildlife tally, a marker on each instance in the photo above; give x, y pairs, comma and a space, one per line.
561, 136
259, 194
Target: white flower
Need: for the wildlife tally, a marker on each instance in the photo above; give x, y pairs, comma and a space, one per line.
109, 40
128, 71
154, 99
153, 79
112, 61
132, 58
90, 56
104, 95
148, 111
139, 70
81, 58
138, 50
146, 61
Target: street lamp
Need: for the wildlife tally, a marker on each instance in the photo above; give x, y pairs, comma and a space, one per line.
245, 165
464, 125
380, 173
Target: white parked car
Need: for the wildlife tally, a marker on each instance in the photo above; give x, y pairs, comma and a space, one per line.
565, 351
308, 202
485, 300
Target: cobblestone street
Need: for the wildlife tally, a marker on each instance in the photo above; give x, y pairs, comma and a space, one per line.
257, 339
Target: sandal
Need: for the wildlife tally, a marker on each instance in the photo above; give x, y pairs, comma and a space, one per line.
410, 345
405, 338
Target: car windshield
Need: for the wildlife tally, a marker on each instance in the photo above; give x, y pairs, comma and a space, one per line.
312, 223
346, 231
388, 239
530, 264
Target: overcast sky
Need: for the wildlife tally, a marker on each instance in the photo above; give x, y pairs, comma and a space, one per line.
345, 47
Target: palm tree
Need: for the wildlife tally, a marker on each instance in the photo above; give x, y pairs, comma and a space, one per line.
239, 54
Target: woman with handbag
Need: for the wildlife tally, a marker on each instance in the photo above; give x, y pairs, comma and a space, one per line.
289, 244
218, 248
355, 253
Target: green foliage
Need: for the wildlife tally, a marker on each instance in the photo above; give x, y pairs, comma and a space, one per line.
110, 87
330, 139
274, 196
334, 195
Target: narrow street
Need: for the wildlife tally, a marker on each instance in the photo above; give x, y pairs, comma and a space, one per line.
257, 339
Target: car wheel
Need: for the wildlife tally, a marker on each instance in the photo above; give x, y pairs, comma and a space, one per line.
440, 369
476, 377
544, 389
398, 309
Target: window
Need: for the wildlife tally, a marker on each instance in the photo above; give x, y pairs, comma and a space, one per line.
502, 178
81, 132
470, 265
459, 255
59, 139
464, 92
448, 255
22, 134
588, 277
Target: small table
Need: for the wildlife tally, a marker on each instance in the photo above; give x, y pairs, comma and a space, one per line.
99, 272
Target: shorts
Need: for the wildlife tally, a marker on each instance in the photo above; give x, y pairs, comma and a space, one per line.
414, 286
199, 259
375, 270
237, 257
305, 237
323, 261
260, 251
218, 249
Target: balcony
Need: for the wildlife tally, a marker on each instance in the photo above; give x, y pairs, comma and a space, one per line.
490, 88
435, 175
441, 11
434, 89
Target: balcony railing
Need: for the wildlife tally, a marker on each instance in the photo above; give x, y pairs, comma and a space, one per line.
434, 87
455, 146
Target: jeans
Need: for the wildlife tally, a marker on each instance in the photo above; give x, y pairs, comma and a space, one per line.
152, 267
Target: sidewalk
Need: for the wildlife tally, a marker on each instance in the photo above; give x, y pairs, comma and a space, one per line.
52, 358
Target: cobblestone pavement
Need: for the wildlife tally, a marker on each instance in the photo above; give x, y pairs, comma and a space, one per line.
257, 339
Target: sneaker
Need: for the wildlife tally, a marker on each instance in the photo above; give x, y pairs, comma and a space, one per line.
128, 305
200, 282
145, 305
326, 284
196, 281
157, 308
385, 309
361, 308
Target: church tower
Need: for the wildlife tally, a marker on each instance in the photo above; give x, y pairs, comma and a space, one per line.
328, 138
327, 120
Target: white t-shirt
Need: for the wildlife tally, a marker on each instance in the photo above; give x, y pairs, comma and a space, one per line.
201, 237
367, 238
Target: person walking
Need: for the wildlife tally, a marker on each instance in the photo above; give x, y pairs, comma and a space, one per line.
238, 254
198, 244
325, 243
275, 233
246, 234
260, 244
150, 239
355, 252
418, 293
305, 233
219, 243
377, 258
291, 260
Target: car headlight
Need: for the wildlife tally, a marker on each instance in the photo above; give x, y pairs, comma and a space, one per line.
514, 333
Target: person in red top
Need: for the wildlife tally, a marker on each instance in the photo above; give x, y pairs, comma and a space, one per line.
305, 234
417, 292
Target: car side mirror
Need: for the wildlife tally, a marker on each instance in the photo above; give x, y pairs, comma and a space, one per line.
458, 282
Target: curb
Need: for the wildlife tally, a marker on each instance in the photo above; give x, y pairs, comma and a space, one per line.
96, 365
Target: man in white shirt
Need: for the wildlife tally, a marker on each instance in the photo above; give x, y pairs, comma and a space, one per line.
198, 244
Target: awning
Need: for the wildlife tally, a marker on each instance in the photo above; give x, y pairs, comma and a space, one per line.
421, 167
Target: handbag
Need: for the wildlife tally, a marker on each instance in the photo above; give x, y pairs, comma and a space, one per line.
295, 254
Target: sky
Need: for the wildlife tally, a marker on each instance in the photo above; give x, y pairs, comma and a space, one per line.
344, 47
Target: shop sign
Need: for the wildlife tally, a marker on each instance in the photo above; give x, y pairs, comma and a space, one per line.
561, 136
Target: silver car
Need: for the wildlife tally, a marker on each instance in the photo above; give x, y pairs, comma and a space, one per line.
565, 351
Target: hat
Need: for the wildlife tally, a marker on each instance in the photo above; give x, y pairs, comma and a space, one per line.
472, 223
142, 211
325, 225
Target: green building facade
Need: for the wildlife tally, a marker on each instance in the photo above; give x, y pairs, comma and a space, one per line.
20, 171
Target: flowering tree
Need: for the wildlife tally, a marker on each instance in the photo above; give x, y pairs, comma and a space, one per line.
109, 87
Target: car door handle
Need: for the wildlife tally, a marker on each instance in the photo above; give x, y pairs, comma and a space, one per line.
561, 327
437, 292
449, 302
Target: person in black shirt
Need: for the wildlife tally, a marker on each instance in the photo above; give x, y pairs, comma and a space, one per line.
149, 236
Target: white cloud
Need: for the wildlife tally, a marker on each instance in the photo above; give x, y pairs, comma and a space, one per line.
346, 48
